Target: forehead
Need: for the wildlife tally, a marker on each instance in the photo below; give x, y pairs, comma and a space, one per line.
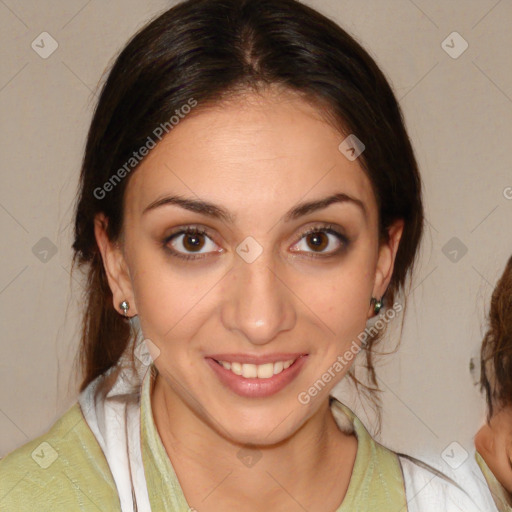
258, 152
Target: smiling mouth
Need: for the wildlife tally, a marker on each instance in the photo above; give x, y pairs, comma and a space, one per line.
257, 371
253, 376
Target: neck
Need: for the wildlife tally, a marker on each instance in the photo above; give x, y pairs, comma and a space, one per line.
217, 473
494, 443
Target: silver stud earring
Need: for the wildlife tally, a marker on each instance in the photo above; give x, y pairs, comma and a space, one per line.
377, 305
125, 307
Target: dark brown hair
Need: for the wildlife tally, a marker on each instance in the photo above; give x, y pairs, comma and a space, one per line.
210, 50
496, 352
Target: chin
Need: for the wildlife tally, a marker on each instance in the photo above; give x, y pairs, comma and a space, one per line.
258, 425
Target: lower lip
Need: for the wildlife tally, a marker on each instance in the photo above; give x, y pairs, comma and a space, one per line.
257, 388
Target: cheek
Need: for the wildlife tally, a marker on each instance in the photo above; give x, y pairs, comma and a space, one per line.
341, 297
347, 309
168, 300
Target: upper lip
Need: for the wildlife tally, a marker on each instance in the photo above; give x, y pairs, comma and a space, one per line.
253, 359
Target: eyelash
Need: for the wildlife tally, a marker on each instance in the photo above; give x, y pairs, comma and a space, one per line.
190, 230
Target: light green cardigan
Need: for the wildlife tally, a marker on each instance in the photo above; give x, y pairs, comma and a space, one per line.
65, 470
62, 470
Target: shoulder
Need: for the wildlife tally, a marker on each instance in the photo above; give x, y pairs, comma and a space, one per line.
428, 489
63, 469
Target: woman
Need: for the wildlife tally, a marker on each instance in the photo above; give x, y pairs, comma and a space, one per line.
494, 440
248, 194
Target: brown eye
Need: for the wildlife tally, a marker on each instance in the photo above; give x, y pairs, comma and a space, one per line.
193, 241
318, 241
190, 243
315, 242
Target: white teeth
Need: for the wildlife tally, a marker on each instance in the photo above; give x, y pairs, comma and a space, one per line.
249, 371
278, 367
260, 371
236, 368
265, 371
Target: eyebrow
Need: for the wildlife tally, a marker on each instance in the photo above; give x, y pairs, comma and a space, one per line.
218, 212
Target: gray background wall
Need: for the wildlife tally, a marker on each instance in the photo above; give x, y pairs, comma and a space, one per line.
458, 109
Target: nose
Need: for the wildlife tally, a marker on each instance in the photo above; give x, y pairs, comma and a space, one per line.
259, 302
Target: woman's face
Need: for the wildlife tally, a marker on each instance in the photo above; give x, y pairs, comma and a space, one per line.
256, 288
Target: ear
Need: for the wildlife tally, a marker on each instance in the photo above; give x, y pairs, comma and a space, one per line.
115, 266
386, 260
